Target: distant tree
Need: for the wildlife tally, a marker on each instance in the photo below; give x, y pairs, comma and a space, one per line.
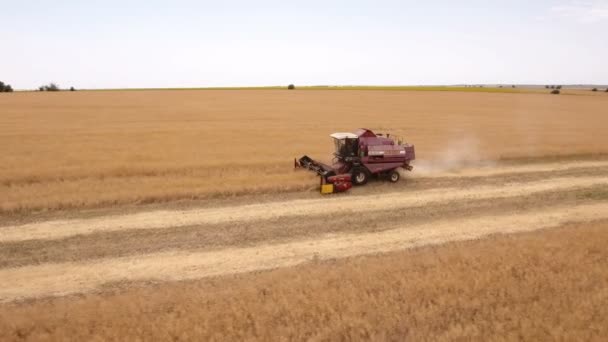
552, 87
558, 87
72, 89
291, 87
50, 87
594, 89
499, 86
5, 88
555, 92
513, 86
546, 87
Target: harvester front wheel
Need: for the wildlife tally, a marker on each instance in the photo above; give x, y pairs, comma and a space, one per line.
360, 176
394, 176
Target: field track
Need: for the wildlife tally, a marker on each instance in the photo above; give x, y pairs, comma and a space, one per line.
303, 208
60, 257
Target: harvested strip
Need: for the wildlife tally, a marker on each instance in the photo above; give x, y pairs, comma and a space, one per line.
365, 203
246, 234
430, 170
67, 278
309, 191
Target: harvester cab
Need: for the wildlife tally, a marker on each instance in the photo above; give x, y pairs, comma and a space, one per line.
347, 145
357, 157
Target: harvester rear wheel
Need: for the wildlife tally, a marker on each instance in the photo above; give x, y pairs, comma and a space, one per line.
360, 176
394, 176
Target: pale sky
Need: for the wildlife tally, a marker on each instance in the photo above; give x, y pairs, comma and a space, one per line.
118, 44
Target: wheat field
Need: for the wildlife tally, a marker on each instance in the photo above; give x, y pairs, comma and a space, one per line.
176, 215
101, 149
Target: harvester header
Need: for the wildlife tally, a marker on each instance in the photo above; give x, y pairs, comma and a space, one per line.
358, 156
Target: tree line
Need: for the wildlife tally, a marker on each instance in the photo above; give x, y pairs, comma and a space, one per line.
52, 87
7, 88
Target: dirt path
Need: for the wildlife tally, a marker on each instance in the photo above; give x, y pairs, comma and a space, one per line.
324, 205
67, 278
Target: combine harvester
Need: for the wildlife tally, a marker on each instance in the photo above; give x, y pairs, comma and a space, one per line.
358, 156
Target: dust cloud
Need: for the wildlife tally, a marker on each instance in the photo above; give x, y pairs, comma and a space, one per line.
460, 154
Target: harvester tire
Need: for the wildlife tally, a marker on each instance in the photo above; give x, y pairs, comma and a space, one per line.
394, 176
360, 176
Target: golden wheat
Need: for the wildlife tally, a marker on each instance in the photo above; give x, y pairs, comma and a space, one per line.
87, 149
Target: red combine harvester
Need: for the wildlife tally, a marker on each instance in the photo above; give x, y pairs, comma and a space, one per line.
358, 156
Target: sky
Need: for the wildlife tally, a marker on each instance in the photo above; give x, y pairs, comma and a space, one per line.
160, 44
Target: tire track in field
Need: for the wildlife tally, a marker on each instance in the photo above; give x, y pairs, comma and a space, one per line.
245, 234
69, 278
293, 208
